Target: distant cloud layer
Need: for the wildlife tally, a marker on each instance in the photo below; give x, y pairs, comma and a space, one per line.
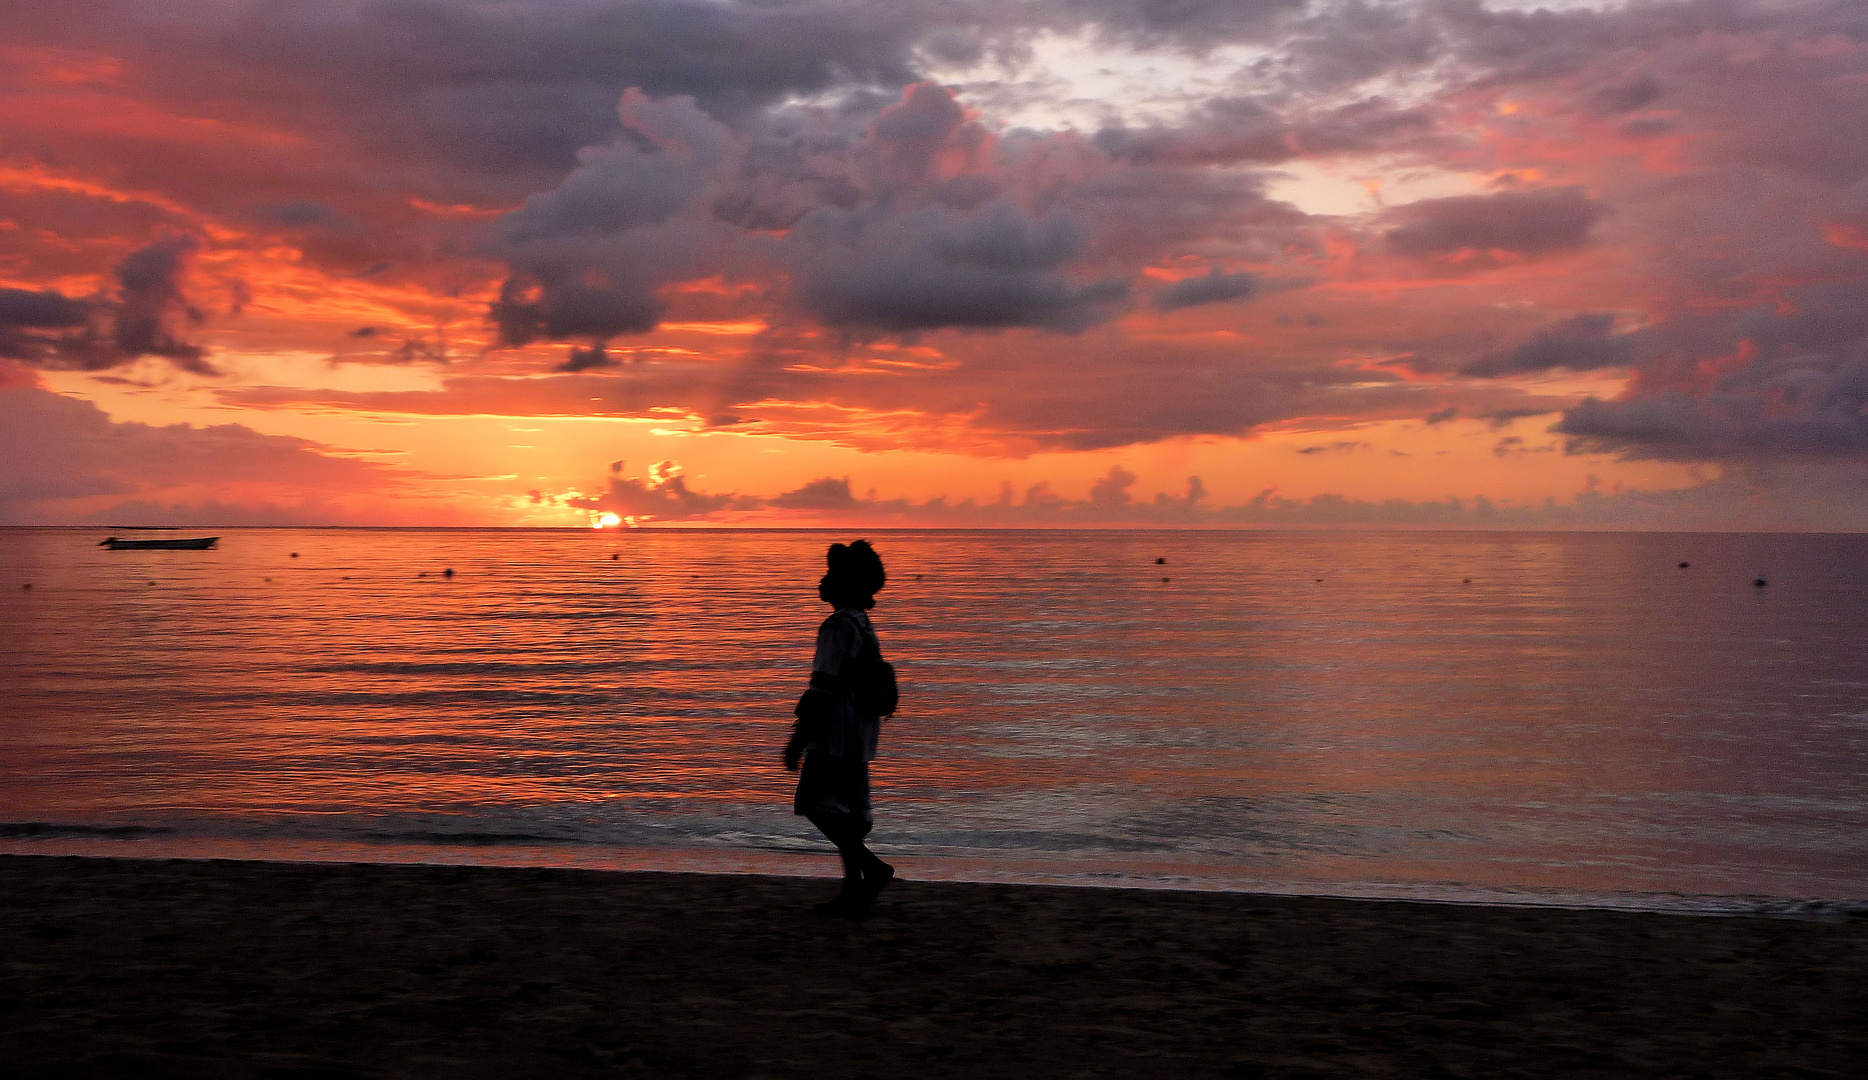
68, 462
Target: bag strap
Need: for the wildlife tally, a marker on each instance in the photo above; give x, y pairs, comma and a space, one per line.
866, 639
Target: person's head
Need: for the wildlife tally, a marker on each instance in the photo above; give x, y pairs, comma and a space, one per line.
855, 576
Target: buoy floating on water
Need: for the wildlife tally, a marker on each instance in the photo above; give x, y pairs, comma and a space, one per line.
1161, 562
1759, 583
449, 572
1684, 565
295, 554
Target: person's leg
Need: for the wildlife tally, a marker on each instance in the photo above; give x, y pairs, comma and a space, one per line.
846, 832
864, 875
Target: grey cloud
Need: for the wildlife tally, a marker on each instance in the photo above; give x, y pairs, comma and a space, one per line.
33, 323
1195, 24
1213, 287
823, 493
910, 135
1585, 342
1799, 496
1230, 130
520, 87
586, 359
151, 302
669, 148
1525, 222
50, 330
1112, 489
301, 213
1141, 211
1498, 419
1636, 93
1343, 45
1649, 127
1676, 426
1223, 131
553, 298
878, 241
1798, 391
588, 256
939, 267
664, 496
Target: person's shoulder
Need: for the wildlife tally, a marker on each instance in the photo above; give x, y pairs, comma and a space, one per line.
846, 621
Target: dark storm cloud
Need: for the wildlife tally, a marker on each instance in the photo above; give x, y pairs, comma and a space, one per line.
48, 329
586, 359
901, 226
1213, 287
588, 256
151, 303
925, 247
938, 267
33, 322
1796, 386
509, 87
670, 148
1523, 222
1585, 342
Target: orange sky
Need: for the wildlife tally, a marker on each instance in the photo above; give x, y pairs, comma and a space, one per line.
528, 264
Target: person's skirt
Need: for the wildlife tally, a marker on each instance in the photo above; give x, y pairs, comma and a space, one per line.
832, 785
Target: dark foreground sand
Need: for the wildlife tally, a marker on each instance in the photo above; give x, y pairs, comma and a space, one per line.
132, 968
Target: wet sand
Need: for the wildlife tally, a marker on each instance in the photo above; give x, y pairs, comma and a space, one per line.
154, 968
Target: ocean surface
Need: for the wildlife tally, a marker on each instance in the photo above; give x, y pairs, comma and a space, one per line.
1500, 717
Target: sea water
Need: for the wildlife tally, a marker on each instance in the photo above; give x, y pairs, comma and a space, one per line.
1580, 718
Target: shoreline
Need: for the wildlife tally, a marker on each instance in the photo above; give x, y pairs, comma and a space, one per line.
235, 968
819, 863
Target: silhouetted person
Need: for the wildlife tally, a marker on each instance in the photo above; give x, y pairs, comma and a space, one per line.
834, 738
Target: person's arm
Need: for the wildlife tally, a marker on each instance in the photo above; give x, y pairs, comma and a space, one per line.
812, 712
815, 707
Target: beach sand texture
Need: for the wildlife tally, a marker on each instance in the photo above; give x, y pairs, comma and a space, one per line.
178, 968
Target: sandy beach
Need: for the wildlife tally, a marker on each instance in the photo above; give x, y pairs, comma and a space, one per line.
176, 968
